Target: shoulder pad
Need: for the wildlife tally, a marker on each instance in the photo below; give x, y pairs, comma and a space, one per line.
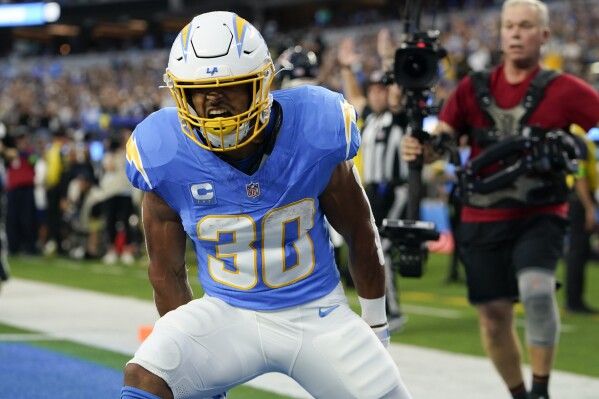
154, 143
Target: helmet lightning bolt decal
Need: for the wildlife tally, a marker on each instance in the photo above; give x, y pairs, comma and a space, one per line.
185, 37
240, 25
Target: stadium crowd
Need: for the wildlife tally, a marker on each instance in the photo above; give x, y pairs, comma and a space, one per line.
65, 114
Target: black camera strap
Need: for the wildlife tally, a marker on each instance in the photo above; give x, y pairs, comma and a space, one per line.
534, 164
534, 95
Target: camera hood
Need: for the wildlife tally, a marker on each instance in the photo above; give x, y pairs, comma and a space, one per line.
416, 64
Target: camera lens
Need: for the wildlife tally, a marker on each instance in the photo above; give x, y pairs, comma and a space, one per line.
415, 66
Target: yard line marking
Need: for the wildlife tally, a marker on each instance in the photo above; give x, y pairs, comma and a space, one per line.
428, 311
107, 269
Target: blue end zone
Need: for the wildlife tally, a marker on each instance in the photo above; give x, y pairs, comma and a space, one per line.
29, 372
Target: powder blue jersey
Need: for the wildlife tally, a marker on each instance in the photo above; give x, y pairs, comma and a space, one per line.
261, 241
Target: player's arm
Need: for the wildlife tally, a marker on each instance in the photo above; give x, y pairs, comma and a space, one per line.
347, 56
165, 240
346, 207
581, 184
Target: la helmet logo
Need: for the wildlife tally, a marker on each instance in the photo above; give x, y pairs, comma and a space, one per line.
211, 71
252, 190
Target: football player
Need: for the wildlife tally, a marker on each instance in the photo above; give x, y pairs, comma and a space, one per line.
250, 176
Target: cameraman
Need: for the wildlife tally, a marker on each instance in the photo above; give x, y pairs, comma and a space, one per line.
510, 250
383, 172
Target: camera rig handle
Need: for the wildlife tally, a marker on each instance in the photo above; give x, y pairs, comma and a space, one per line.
538, 152
409, 239
416, 110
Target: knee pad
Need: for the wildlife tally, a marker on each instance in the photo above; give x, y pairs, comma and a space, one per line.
537, 293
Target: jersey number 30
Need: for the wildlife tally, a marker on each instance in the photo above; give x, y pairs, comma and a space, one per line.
285, 260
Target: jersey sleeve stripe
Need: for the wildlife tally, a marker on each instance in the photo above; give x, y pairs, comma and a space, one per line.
134, 158
349, 117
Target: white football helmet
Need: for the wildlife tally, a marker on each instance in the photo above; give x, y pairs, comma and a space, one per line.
219, 49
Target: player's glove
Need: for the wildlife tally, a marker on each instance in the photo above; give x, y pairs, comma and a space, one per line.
383, 334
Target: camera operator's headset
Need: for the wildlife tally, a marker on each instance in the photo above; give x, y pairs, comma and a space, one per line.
533, 162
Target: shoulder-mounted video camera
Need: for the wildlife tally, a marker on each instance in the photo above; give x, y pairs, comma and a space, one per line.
416, 70
416, 64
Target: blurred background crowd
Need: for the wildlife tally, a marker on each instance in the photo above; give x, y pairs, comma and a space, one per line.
71, 92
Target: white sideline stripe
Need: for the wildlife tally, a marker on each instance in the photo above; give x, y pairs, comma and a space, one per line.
112, 322
27, 337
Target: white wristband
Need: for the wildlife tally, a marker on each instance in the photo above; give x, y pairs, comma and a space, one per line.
373, 311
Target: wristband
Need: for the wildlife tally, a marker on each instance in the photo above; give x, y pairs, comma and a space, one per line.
373, 311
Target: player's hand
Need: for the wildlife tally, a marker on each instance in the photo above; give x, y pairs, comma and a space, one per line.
382, 333
347, 53
411, 148
385, 48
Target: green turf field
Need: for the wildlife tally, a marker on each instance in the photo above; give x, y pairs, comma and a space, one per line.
439, 316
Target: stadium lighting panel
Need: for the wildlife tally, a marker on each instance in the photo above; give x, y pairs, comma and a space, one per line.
28, 14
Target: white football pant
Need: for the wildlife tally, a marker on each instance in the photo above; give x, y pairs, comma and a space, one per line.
207, 347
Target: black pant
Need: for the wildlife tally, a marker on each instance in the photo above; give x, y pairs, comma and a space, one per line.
54, 215
117, 211
578, 253
494, 253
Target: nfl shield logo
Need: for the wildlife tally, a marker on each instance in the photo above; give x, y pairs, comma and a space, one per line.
252, 189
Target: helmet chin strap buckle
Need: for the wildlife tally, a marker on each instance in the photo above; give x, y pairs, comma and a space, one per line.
168, 81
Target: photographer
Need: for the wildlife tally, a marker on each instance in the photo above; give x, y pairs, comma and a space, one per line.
511, 247
383, 172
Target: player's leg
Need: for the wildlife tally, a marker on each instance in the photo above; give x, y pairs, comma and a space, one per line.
492, 287
200, 350
500, 341
576, 257
341, 357
535, 256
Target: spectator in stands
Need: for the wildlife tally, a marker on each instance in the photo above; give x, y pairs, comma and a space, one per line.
113, 196
118, 205
581, 212
4, 265
83, 241
21, 213
56, 161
